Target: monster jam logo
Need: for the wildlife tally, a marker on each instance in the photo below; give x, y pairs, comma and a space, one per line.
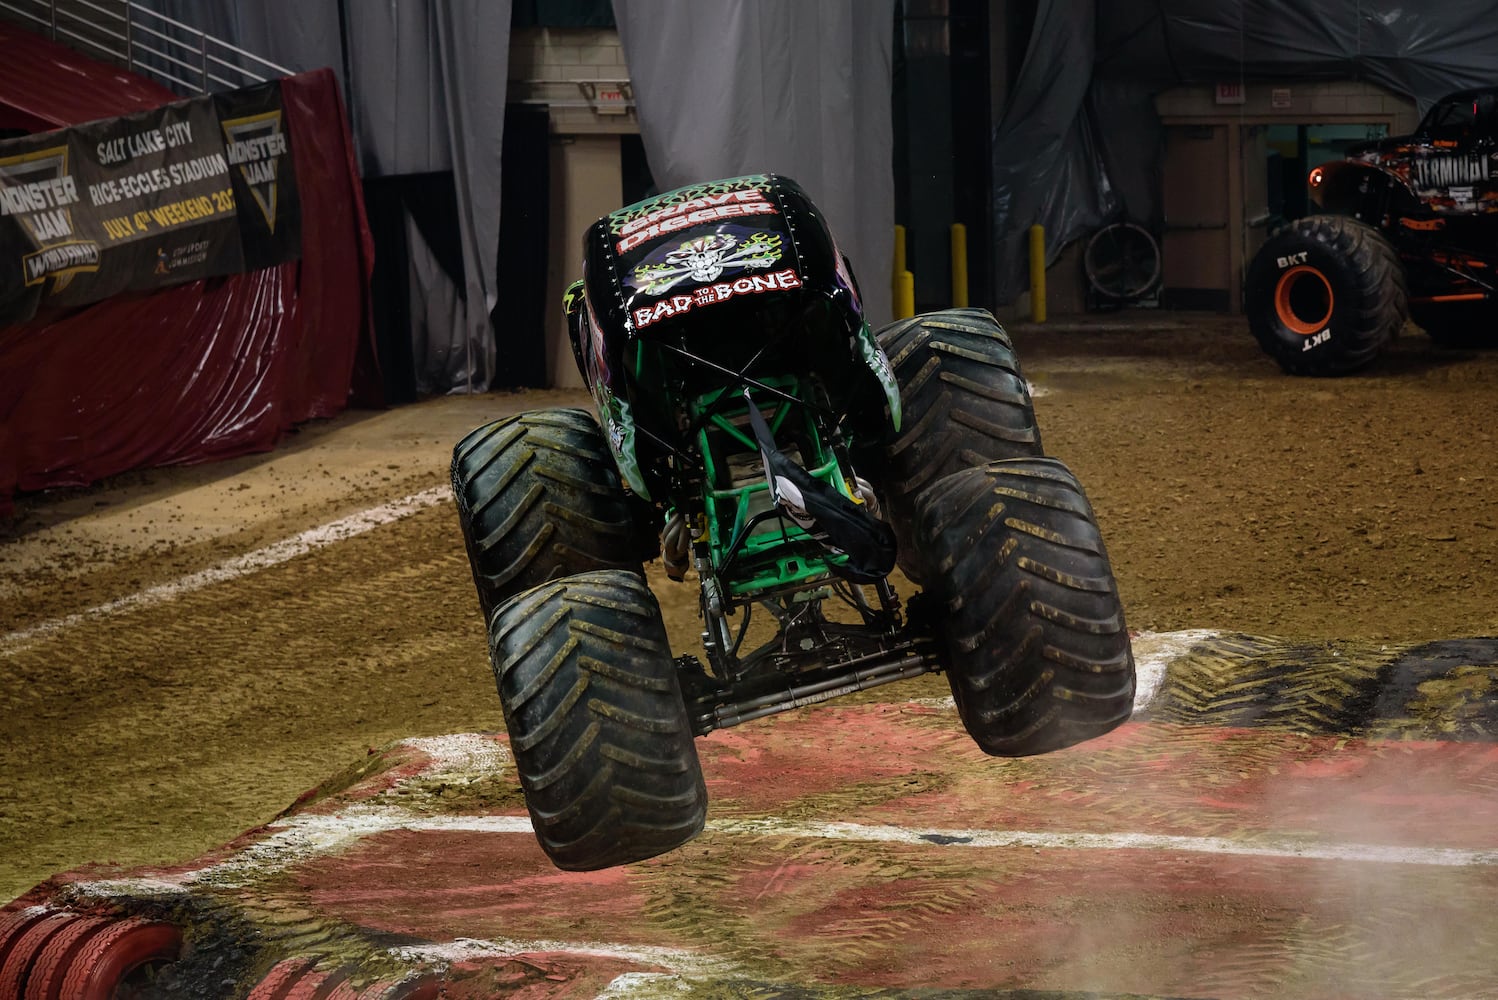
37, 189
256, 144
61, 259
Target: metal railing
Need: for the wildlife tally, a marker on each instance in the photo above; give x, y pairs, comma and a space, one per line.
137, 38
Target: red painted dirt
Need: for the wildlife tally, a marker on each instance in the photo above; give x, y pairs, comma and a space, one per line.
1230, 497
1075, 889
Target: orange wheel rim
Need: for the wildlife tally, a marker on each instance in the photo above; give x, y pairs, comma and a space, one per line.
1303, 300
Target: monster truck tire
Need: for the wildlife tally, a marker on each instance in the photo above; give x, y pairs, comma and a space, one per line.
1325, 295
597, 723
113, 957
1458, 324
963, 401
539, 498
1026, 607
56, 957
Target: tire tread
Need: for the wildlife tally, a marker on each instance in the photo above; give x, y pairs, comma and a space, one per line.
539, 498
964, 402
1038, 651
600, 733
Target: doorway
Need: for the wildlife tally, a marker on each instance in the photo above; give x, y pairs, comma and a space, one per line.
1294, 150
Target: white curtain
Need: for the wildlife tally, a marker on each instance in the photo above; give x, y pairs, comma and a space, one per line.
730, 87
428, 82
426, 92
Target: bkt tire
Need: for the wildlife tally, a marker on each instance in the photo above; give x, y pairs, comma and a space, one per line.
964, 402
597, 724
1326, 295
539, 498
1027, 608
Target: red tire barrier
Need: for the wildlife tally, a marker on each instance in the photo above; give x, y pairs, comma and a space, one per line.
14, 924
314, 986
27, 948
108, 957
56, 958
425, 988
283, 977
294, 979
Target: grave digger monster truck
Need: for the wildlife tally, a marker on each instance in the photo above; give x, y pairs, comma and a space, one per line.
757, 435
1408, 229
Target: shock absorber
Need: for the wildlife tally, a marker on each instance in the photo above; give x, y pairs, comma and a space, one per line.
676, 546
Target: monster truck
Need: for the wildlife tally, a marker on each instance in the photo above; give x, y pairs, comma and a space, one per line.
1408, 228
756, 435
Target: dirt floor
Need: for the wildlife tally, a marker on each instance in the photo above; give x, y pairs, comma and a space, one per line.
146, 725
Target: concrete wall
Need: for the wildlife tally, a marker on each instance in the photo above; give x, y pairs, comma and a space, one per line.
1308, 103
1228, 165
569, 70
585, 184
562, 67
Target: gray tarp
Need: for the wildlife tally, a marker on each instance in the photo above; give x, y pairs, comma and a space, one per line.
1422, 50
1046, 166
730, 87
297, 34
428, 87
1069, 163
426, 91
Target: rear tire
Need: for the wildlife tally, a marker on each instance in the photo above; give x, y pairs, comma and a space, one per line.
1326, 295
1038, 657
539, 498
597, 723
1458, 324
964, 402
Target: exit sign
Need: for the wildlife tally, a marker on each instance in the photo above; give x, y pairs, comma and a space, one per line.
1229, 93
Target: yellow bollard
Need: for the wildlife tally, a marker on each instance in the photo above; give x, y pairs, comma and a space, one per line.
959, 265
1037, 273
904, 304
899, 269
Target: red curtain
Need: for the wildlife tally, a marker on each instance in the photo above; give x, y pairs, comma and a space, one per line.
212, 368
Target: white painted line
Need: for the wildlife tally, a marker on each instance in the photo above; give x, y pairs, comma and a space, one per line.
1264, 848
678, 960
306, 837
461, 756
647, 985
229, 569
1153, 653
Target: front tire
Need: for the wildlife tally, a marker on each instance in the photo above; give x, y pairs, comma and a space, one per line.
539, 498
1326, 295
1038, 657
964, 402
597, 723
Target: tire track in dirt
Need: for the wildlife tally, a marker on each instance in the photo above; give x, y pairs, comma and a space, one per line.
229, 569
86, 572
219, 707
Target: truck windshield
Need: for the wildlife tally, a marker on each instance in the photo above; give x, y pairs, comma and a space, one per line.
1450, 119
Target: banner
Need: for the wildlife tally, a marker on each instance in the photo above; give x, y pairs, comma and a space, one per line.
190, 190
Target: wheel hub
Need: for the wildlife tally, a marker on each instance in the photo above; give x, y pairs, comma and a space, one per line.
1303, 300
